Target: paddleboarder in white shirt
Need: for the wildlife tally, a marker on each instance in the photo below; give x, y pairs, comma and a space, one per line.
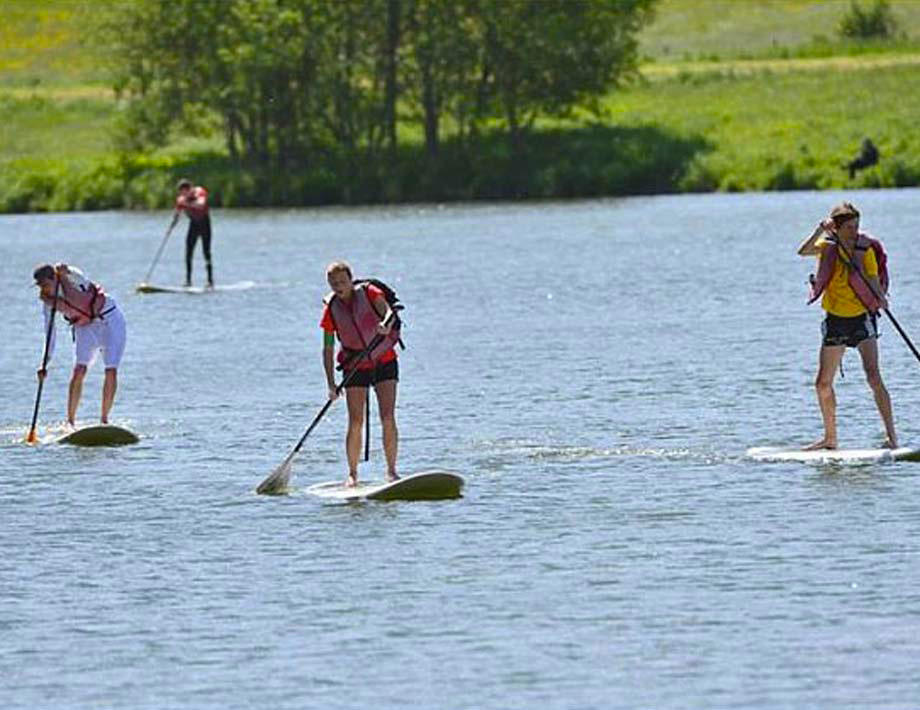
98, 325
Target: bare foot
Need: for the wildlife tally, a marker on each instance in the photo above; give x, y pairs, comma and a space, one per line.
352, 480
890, 443
824, 443
391, 476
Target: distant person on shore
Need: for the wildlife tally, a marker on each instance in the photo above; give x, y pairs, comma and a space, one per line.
851, 303
357, 313
868, 156
193, 200
98, 324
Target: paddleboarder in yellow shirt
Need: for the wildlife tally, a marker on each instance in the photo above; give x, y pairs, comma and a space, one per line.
851, 301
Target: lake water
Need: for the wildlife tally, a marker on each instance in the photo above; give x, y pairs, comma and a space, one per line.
595, 369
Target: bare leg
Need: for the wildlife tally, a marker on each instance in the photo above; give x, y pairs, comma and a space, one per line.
386, 401
828, 361
356, 397
868, 351
74, 393
108, 392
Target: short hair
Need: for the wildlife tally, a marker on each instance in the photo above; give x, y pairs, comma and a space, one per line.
43, 272
337, 266
843, 212
184, 182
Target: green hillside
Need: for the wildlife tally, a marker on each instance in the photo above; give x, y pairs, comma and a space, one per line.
694, 29
752, 94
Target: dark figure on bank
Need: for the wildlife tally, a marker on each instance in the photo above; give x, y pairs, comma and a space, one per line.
868, 155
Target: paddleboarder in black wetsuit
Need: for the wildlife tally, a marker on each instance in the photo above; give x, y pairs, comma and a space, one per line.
193, 199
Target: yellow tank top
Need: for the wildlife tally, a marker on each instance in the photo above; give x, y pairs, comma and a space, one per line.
839, 297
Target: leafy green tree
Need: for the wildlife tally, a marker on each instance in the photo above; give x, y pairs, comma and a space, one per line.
294, 83
875, 22
546, 57
443, 56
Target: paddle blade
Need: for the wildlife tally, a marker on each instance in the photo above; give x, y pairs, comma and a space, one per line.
277, 481
31, 437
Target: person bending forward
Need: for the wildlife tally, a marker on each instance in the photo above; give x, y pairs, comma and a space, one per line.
98, 325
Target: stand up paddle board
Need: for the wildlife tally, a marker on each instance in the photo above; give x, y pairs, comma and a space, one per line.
426, 485
197, 290
99, 435
776, 453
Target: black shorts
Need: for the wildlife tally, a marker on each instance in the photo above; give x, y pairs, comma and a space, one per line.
381, 373
848, 331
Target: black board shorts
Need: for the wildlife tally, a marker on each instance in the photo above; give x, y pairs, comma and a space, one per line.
381, 373
850, 332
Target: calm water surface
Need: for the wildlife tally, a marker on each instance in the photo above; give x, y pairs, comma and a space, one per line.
595, 369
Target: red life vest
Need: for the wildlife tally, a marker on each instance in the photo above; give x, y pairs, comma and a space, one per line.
356, 326
196, 210
828, 260
81, 300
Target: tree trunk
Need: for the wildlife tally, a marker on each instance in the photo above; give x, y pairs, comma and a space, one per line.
391, 89
432, 114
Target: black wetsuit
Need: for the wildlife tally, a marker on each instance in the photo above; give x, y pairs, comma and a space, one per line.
200, 227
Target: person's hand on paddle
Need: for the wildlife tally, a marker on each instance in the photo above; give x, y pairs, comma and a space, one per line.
42, 373
384, 327
333, 393
827, 226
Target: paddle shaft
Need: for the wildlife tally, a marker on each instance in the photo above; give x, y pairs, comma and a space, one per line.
159, 252
888, 313
45, 354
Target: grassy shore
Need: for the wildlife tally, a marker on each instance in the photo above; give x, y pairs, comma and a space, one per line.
739, 95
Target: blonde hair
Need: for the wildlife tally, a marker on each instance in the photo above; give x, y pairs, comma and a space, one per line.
337, 266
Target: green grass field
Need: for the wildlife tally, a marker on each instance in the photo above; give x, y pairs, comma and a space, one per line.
783, 130
729, 29
762, 103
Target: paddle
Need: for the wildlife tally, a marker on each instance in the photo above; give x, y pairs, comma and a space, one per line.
159, 252
31, 437
277, 481
888, 313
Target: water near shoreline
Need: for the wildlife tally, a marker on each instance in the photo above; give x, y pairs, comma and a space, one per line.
595, 369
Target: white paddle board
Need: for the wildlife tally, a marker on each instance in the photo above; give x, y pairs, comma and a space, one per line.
425, 485
195, 290
777, 453
99, 435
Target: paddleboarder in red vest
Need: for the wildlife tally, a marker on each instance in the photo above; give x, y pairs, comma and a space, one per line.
357, 314
193, 200
851, 301
98, 326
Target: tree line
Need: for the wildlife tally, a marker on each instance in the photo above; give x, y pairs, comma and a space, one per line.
341, 85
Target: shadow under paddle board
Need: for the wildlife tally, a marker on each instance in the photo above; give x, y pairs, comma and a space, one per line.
99, 435
194, 290
425, 485
778, 454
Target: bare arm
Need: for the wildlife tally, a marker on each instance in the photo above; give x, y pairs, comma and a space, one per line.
329, 363
385, 312
807, 247
50, 333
